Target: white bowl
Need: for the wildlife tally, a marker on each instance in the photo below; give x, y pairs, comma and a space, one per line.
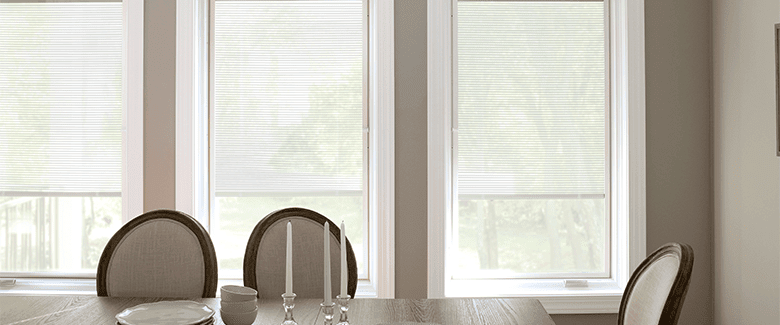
237, 293
234, 307
246, 318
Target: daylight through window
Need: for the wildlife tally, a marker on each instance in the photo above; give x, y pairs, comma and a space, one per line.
60, 134
531, 147
288, 118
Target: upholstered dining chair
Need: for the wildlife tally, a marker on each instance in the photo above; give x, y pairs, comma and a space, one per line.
657, 288
264, 259
161, 253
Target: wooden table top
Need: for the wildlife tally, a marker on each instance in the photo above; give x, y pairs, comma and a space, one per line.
449, 311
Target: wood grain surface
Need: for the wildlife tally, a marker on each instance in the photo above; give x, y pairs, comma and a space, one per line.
450, 311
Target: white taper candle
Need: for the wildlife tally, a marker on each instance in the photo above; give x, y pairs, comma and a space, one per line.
343, 260
326, 254
288, 278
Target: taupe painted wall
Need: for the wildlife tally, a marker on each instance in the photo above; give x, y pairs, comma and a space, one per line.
411, 150
159, 104
678, 55
746, 170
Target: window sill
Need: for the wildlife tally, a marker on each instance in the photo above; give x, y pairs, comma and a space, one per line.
87, 287
599, 297
50, 287
582, 304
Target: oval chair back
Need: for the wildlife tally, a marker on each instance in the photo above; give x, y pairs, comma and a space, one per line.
161, 253
656, 290
264, 259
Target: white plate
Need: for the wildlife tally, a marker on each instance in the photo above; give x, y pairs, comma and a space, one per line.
182, 312
210, 321
407, 323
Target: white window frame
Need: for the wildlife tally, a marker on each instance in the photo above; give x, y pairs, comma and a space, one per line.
192, 108
133, 118
132, 160
627, 200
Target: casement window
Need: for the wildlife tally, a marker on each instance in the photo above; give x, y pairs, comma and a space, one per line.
64, 129
290, 119
531, 144
287, 117
529, 161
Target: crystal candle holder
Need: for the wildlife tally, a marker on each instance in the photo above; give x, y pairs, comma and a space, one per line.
327, 310
343, 307
289, 304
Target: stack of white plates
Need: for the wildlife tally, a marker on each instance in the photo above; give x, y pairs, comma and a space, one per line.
181, 312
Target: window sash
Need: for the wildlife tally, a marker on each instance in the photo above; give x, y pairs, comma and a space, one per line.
627, 168
256, 182
475, 183
74, 103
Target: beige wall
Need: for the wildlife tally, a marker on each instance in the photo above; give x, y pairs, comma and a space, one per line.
746, 188
159, 104
411, 150
679, 172
679, 152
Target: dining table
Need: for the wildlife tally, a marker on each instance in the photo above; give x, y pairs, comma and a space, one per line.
367, 311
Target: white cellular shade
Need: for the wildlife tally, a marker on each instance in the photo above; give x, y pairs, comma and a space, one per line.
60, 98
288, 97
531, 99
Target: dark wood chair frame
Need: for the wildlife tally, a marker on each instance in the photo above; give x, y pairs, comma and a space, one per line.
674, 302
250, 256
206, 245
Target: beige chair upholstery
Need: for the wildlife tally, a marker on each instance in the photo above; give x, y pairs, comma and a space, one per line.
264, 259
656, 290
160, 253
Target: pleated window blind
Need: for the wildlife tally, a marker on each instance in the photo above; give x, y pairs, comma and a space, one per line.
60, 98
531, 99
288, 97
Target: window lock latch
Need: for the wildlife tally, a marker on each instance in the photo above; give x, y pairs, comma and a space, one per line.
7, 282
575, 283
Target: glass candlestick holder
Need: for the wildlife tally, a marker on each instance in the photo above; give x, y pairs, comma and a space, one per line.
327, 310
289, 304
343, 307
